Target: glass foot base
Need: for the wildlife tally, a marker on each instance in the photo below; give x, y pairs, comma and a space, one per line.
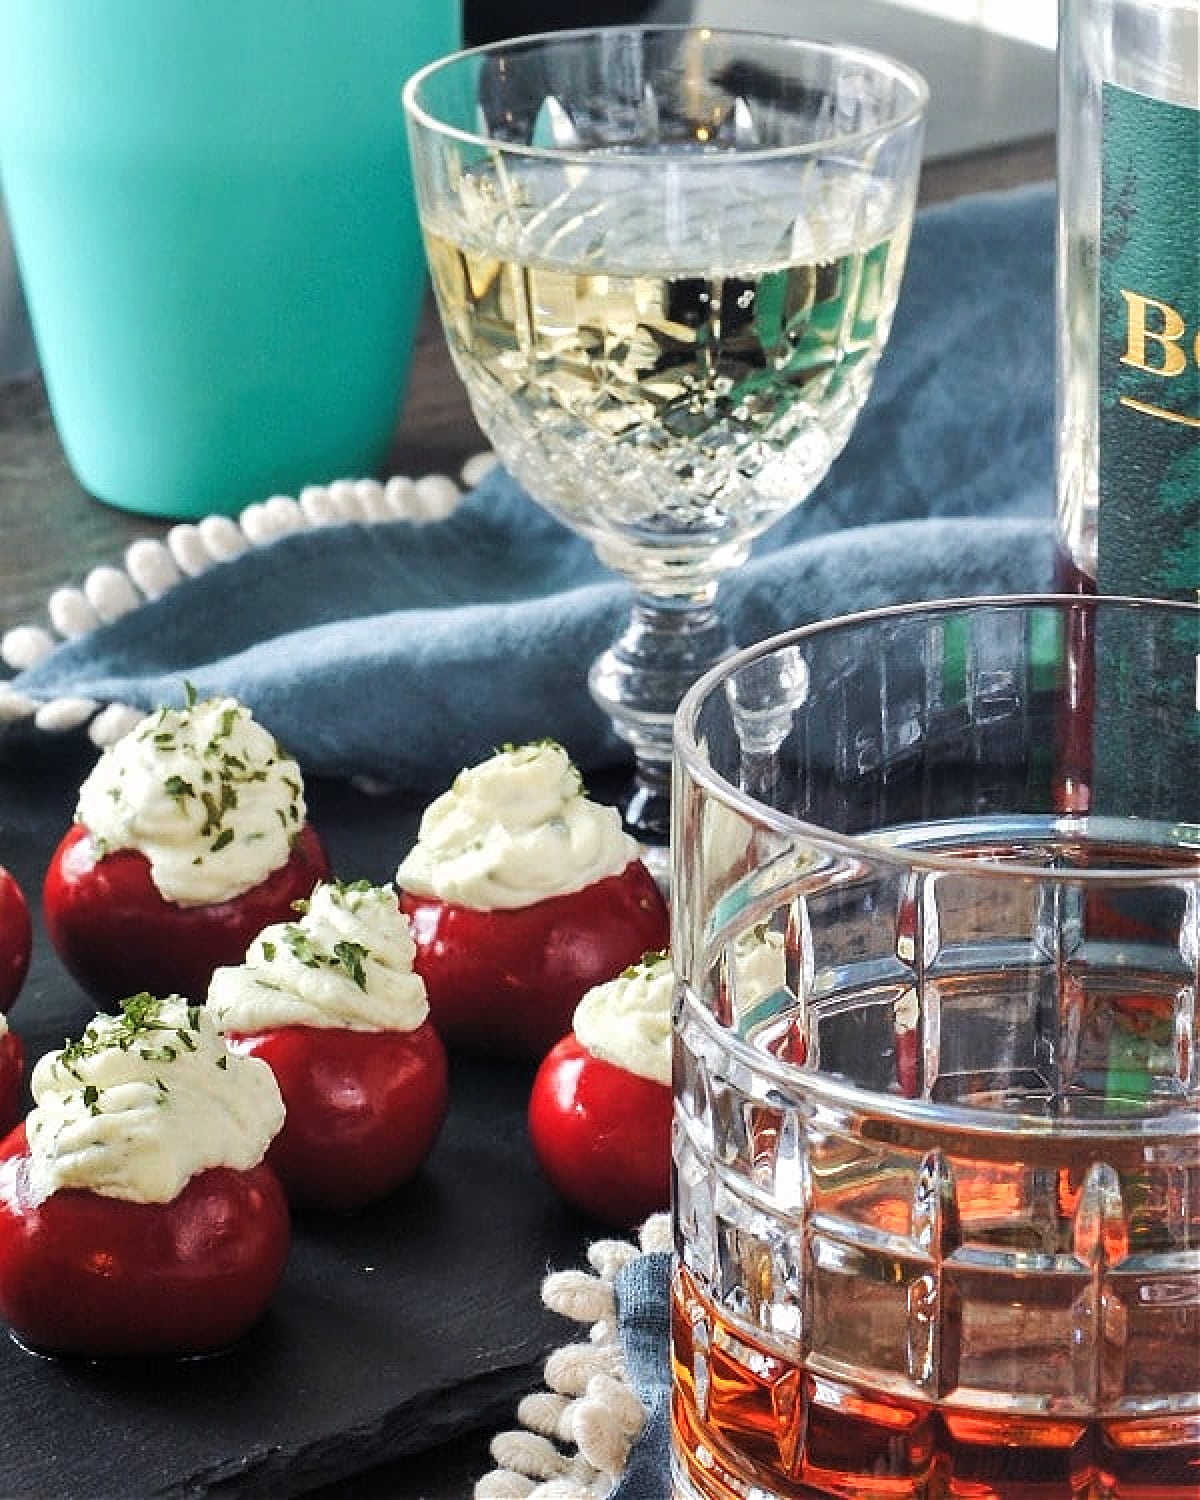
646, 814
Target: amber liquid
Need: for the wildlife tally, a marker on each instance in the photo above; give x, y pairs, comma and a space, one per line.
873, 1317
766, 1426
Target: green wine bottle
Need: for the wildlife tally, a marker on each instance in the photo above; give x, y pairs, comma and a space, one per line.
1129, 296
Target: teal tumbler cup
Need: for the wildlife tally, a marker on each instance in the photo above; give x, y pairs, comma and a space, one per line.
212, 213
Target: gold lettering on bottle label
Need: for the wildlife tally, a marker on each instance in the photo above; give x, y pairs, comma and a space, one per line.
1155, 344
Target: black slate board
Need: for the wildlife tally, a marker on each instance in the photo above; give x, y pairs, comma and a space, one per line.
395, 1329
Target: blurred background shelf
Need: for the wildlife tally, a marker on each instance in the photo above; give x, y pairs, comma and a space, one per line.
990, 64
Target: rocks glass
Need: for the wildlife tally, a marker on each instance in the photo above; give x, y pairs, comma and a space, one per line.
937, 1143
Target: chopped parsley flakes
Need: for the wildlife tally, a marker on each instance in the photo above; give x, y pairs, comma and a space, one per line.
141, 1028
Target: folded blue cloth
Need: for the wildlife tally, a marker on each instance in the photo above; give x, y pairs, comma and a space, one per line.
642, 1289
402, 652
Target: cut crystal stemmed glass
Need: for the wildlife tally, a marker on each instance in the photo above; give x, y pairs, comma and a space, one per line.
666, 261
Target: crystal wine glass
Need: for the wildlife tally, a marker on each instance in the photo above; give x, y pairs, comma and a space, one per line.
666, 261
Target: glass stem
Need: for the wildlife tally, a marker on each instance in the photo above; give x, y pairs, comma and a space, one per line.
668, 642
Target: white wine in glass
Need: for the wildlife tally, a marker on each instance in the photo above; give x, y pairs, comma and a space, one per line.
666, 262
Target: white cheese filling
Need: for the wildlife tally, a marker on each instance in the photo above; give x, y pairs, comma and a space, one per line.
513, 830
346, 962
627, 1021
204, 792
144, 1101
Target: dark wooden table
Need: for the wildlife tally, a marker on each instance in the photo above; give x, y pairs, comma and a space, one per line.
52, 532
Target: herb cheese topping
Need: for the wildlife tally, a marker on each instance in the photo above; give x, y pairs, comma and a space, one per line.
143, 1101
347, 962
204, 792
627, 1021
515, 829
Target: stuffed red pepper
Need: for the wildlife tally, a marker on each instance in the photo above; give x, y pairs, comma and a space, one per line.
523, 893
331, 1003
190, 835
137, 1214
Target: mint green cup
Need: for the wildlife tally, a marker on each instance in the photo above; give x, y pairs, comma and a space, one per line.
212, 212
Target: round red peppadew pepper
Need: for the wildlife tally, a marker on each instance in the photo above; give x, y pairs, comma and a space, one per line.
364, 1108
12, 1075
16, 938
602, 1134
507, 981
118, 935
88, 1275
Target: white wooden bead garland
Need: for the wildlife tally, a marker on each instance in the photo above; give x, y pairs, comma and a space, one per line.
152, 568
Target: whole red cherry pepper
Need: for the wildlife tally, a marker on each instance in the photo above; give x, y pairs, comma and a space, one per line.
507, 981
118, 935
602, 1134
84, 1274
16, 938
12, 1076
364, 1108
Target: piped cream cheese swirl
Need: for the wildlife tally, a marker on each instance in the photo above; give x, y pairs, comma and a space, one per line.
145, 1100
347, 962
515, 829
204, 792
627, 1021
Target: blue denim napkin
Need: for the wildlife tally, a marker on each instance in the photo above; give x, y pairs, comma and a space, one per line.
642, 1317
401, 652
